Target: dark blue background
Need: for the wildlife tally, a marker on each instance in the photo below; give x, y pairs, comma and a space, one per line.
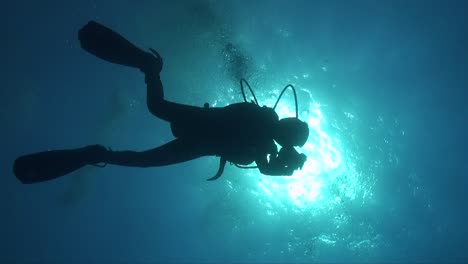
400, 67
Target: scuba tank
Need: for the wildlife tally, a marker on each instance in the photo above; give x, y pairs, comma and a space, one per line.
283, 152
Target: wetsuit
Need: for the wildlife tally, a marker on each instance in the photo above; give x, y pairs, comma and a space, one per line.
239, 132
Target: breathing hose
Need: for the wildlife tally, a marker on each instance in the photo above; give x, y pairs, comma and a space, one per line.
242, 81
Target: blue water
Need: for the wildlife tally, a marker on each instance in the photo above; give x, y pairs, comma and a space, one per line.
382, 84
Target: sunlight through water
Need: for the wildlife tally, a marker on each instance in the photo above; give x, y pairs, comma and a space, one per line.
315, 204
327, 178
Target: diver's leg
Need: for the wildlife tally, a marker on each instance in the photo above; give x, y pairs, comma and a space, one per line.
48, 165
113, 47
176, 151
166, 110
155, 95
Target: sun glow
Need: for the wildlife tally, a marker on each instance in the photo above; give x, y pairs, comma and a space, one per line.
326, 178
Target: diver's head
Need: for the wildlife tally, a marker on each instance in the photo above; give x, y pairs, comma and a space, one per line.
292, 132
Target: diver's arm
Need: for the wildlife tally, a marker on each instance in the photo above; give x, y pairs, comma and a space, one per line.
283, 164
272, 168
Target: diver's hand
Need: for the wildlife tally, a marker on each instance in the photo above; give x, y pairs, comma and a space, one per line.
273, 153
152, 63
292, 158
287, 161
301, 159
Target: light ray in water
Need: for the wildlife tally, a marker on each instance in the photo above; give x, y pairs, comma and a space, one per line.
327, 178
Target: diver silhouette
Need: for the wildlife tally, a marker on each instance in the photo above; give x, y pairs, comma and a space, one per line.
240, 133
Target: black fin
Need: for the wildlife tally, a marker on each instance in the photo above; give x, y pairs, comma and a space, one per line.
109, 45
48, 165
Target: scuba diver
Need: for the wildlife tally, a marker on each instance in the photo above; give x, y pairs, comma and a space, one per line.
240, 133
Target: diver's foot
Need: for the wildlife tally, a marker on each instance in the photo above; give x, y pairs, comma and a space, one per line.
152, 63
